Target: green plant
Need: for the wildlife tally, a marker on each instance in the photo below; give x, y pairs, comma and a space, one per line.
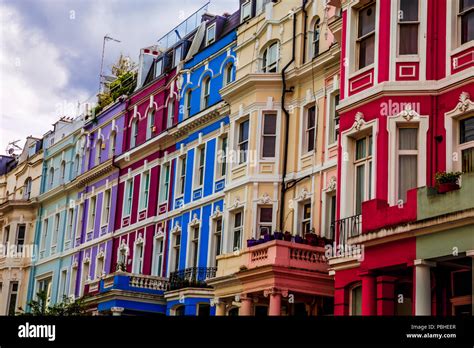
68, 307
447, 177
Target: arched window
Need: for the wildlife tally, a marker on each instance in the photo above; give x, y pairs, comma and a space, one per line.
316, 37
228, 74
77, 165
27, 189
98, 152
63, 172
206, 90
170, 113
270, 59
187, 103
112, 141
134, 133
51, 177
150, 129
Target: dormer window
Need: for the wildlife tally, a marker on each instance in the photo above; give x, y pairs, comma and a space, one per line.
211, 34
270, 59
159, 67
246, 11
178, 53
366, 36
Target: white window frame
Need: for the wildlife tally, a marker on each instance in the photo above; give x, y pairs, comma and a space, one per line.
240, 143
79, 221
62, 290
181, 175
368, 162
55, 236
144, 191
157, 254
222, 156
211, 40
112, 144
200, 168
91, 214
307, 129
268, 66
164, 182
205, 92
235, 229
98, 152
194, 244
170, 113
150, 129
359, 39
70, 224
406, 153
401, 23
263, 135
106, 205
128, 202
264, 224
134, 133
137, 265
187, 103
243, 9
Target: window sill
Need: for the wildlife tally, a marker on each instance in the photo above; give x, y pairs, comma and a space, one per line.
361, 71
462, 47
408, 58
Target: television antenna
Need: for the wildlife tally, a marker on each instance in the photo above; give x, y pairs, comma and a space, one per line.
101, 76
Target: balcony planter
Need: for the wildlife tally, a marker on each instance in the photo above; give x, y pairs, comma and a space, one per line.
446, 182
311, 238
267, 237
260, 241
278, 235
299, 240
251, 242
287, 236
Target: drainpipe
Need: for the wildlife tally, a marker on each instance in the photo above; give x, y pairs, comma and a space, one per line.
287, 122
305, 28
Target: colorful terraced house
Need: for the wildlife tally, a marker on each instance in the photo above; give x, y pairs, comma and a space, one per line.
406, 114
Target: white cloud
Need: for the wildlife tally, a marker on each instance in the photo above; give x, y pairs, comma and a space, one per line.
32, 80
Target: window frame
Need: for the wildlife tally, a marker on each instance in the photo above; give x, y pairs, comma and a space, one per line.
206, 92
243, 159
106, 205
265, 136
366, 36
243, 7
212, 27
403, 152
367, 163
164, 182
400, 23
264, 224
128, 202
460, 15
308, 129
134, 133
150, 129
181, 177
200, 166
144, 191
237, 229
267, 67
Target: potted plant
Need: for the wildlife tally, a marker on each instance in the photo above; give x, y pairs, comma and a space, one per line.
299, 240
447, 181
251, 242
287, 236
267, 237
278, 235
311, 237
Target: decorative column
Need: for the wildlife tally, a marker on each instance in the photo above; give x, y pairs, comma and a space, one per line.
369, 293
275, 300
220, 309
423, 286
117, 311
245, 305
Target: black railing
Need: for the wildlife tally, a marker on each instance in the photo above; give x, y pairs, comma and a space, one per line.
346, 228
194, 277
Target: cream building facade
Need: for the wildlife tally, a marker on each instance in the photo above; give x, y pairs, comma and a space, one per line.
19, 188
283, 156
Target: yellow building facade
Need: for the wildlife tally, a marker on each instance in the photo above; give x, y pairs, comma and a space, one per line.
19, 189
283, 154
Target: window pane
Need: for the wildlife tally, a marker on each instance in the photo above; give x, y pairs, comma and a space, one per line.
408, 10
269, 126
465, 4
356, 301
408, 41
311, 117
408, 139
467, 27
366, 51
367, 20
238, 220
244, 131
265, 214
360, 187
467, 130
468, 160
269, 143
311, 140
407, 175
307, 211
360, 149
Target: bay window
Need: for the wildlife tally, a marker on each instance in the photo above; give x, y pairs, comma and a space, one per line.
366, 36
466, 17
363, 171
269, 135
265, 218
243, 142
270, 59
408, 23
237, 231
466, 144
407, 161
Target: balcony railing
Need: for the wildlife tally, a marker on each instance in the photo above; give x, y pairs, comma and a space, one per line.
194, 277
346, 228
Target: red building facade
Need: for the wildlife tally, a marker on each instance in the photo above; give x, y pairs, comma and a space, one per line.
406, 80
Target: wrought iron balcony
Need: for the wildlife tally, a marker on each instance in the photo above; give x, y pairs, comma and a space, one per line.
346, 228
194, 277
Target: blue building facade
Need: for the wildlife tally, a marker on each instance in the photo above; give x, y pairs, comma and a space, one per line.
197, 201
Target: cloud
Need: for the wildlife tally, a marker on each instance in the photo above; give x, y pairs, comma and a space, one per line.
32, 80
51, 51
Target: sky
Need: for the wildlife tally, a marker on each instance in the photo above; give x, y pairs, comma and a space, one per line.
50, 52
